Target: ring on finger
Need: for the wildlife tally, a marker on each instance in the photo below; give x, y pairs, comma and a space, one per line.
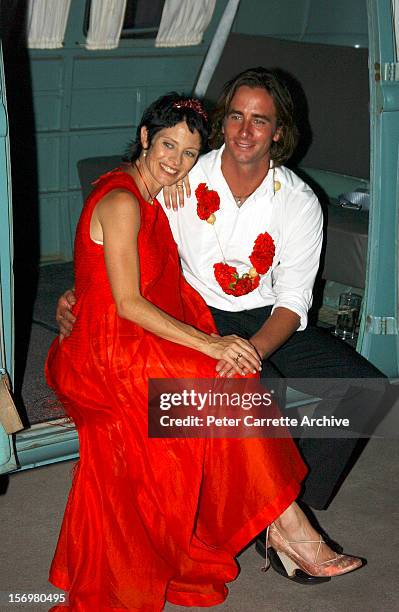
179, 185
236, 359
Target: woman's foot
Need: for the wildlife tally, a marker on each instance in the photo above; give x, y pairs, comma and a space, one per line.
300, 549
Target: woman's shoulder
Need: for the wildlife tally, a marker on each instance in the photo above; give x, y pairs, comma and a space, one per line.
112, 185
119, 209
119, 199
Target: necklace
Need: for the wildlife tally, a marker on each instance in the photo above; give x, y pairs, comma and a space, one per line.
261, 258
151, 200
239, 200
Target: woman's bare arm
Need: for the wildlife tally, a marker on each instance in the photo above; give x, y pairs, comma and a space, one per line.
174, 197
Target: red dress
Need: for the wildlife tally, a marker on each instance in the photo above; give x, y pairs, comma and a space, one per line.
149, 520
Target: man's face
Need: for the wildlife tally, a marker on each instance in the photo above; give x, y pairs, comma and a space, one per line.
250, 126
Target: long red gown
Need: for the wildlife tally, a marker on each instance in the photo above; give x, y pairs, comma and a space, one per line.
150, 520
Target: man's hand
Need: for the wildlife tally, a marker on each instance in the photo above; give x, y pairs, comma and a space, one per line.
174, 194
64, 316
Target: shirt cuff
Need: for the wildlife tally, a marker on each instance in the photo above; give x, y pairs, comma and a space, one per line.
300, 307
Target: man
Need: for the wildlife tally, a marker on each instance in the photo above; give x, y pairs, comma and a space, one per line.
265, 208
254, 119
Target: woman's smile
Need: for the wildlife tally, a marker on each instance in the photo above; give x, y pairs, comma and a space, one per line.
168, 169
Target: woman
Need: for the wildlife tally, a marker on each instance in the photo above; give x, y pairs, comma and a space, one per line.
149, 520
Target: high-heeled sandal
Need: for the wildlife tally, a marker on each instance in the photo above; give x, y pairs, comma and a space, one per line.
287, 562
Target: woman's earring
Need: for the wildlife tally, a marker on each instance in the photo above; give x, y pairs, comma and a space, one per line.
144, 153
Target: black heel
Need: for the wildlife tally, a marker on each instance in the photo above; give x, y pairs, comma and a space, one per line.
298, 575
274, 561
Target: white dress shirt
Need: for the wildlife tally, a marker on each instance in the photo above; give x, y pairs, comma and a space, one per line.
290, 214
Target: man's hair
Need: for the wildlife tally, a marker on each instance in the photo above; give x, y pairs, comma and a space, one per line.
260, 77
167, 111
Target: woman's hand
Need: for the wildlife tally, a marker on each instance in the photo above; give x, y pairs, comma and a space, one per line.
237, 355
64, 316
174, 194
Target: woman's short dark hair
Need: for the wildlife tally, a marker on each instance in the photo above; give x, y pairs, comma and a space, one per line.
167, 111
282, 149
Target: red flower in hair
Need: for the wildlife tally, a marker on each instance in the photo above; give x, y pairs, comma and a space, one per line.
194, 104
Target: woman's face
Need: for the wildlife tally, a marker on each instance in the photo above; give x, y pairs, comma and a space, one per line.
172, 154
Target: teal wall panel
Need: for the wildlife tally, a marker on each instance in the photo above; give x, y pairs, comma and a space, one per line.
338, 18
50, 208
339, 22
99, 108
271, 18
56, 236
49, 162
153, 92
140, 69
47, 73
48, 111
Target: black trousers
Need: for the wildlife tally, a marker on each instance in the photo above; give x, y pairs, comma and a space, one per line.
315, 356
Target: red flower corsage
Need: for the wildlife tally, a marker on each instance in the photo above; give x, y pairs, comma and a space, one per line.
263, 253
261, 257
208, 202
231, 283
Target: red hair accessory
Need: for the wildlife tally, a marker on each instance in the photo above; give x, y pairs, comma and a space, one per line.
194, 104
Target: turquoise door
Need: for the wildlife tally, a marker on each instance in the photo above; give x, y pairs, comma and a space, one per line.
7, 458
378, 341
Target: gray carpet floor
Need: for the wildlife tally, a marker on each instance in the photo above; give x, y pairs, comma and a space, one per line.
39, 402
364, 518
54, 279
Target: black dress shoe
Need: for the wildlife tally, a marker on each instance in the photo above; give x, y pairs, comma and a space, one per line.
300, 576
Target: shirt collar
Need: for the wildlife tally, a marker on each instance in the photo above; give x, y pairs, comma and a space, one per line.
220, 183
